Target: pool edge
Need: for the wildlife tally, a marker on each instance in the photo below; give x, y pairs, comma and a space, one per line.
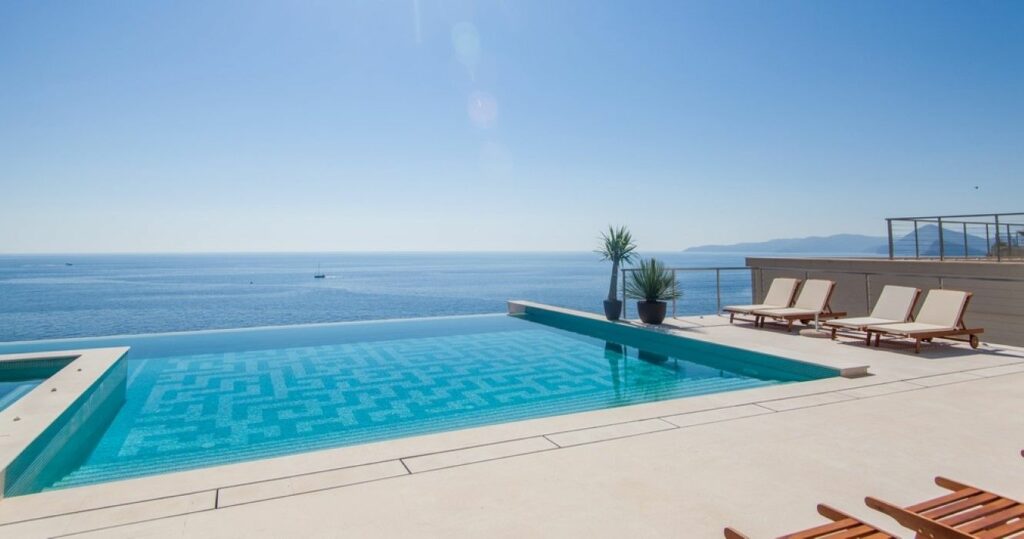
518, 307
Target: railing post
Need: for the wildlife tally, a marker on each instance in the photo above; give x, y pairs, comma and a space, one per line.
965, 240
624, 293
988, 243
867, 292
888, 223
999, 255
718, 290
675, 286
942, 243
917, 244
760, 278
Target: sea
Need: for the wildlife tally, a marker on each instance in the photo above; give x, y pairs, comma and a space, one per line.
55, 296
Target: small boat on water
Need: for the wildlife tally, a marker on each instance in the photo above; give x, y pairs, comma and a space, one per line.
319, 274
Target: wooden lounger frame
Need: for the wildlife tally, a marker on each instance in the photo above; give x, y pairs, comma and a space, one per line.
842, 525
968, 512
825, 314
864, 328
961, 329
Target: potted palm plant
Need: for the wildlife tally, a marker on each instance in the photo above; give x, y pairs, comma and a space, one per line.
616, 245
652, 285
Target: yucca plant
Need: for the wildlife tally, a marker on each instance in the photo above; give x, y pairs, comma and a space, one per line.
652, 284
650, 281
618, 247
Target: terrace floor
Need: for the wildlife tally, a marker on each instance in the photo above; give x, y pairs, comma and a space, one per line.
758, 460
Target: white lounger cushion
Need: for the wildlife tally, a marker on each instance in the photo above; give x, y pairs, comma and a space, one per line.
779, 295
814, 295
943, 308
893, 306
810, 302
788, 311
860, 322
894, 303
909, 328
746, 309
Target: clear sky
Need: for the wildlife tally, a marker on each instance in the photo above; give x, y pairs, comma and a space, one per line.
519, 125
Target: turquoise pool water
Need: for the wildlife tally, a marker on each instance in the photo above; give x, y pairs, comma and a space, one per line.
202, 399
13, 390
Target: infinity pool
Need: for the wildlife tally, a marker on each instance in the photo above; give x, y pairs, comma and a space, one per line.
208, 398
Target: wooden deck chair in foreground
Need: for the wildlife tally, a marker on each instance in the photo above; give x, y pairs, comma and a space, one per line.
843, 526
968, 512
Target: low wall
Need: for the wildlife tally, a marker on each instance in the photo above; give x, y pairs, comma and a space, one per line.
997, 305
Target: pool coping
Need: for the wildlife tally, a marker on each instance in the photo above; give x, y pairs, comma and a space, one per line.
26, 419
844, 368
118, 503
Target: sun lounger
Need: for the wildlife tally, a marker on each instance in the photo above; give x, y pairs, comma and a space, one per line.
966, 513
895, 305
780, 295
811, 304
842, 526
941, 316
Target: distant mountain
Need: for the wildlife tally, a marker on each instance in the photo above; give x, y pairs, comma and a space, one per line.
838, 243
927, 244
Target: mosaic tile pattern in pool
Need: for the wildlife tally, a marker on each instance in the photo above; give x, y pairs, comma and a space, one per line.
382, 381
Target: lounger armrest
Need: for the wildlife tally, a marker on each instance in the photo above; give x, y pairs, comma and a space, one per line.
913, 521
832, 513
951, 485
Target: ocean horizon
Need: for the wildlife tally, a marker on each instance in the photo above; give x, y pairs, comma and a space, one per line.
48, 296
114, 294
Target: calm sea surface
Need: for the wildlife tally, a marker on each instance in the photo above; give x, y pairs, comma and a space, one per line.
42, 297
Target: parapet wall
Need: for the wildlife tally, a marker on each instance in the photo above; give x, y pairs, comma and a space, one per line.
997, 305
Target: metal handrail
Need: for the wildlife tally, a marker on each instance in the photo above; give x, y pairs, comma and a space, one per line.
1000, 223
718, 282
940, 276
962, 216
891, 273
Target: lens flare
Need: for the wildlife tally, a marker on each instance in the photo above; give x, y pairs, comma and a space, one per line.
482, 109
466, 41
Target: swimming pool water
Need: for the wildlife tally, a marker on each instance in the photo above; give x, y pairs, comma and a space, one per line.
11, 391
211, 398
18, 378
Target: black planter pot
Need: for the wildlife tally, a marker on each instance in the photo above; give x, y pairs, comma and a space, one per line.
651, 312
612, 309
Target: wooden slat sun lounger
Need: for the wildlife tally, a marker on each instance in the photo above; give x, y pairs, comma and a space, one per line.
843, 526
941, 317
968, 512
812, 303
895, 305
780, 295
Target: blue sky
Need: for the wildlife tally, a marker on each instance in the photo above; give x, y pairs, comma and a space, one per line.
527, 125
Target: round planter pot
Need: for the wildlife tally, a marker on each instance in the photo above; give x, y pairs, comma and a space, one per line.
651, 312
612, 309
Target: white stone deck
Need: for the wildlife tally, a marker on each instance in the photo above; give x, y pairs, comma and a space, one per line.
758, 460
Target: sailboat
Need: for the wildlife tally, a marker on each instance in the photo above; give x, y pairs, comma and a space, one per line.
319, 274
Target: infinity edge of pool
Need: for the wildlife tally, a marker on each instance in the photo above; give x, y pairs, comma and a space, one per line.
800, 370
